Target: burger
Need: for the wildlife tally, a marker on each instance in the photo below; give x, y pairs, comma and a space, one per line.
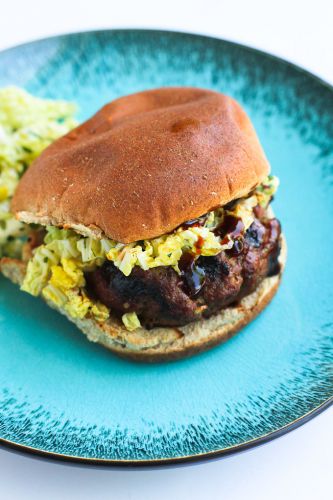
150, 225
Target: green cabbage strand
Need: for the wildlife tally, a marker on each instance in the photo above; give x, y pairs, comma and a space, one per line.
28, 125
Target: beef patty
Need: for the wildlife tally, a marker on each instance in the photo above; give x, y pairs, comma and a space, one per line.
161, 297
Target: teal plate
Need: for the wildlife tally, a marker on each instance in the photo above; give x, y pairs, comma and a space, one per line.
65, 397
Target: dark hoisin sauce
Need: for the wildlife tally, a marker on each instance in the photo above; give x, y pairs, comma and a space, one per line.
192, 274
231, 226
193, 223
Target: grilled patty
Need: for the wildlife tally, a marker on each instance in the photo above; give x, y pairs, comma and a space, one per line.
161, 297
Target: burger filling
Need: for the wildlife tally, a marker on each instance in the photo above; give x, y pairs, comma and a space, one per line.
191, 273
202, 266
204, 285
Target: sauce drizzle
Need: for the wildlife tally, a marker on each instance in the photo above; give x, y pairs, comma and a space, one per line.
193, 223
231, 226
193, 275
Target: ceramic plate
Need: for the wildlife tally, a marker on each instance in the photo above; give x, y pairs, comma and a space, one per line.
63, 396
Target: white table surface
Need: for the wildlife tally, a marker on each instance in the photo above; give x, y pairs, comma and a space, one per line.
295, 466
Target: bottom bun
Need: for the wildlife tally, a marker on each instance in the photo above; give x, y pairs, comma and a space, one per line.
166, 344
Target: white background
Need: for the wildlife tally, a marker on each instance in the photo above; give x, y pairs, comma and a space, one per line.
296, 466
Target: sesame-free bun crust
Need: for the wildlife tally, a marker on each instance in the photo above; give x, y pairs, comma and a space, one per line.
144, 164
166, 344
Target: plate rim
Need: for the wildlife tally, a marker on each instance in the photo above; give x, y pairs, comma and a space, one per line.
199, 457
186, 459
196, 34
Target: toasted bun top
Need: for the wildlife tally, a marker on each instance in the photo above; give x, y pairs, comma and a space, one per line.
144, 164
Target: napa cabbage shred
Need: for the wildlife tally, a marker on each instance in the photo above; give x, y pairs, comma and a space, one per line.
27, 126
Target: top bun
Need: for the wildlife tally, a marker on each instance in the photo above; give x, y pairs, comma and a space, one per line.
144, 164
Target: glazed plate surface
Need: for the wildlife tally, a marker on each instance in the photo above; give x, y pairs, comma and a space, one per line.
64, 396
